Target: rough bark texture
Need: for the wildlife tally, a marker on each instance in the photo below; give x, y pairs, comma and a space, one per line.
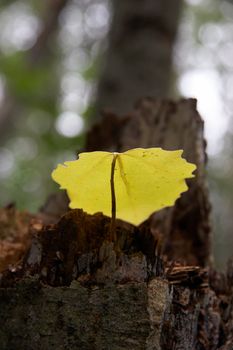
185, 228
75, 288
80, 317
139, 55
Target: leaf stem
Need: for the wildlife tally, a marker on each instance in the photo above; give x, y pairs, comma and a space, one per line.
113, 195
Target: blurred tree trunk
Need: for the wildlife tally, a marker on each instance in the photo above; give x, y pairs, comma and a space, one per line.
138, 61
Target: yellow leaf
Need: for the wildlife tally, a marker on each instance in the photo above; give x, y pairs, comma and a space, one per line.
145, 180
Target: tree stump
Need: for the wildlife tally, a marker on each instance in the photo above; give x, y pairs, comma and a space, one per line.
150, 289
185, 228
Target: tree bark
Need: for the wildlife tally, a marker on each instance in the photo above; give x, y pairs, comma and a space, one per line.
138, 61
75, 288
185, 228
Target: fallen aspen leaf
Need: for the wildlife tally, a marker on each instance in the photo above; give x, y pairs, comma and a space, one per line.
129, 186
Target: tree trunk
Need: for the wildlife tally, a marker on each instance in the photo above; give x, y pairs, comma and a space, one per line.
185, 228
76, 289
138, 61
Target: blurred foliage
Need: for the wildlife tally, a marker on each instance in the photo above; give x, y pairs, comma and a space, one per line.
29, 83
46, 86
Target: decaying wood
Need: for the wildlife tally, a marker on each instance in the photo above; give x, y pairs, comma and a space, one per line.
77, 317
154, 123
14, 236
76, 289
108, 286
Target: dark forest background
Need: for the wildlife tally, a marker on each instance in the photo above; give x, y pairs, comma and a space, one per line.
63, 61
